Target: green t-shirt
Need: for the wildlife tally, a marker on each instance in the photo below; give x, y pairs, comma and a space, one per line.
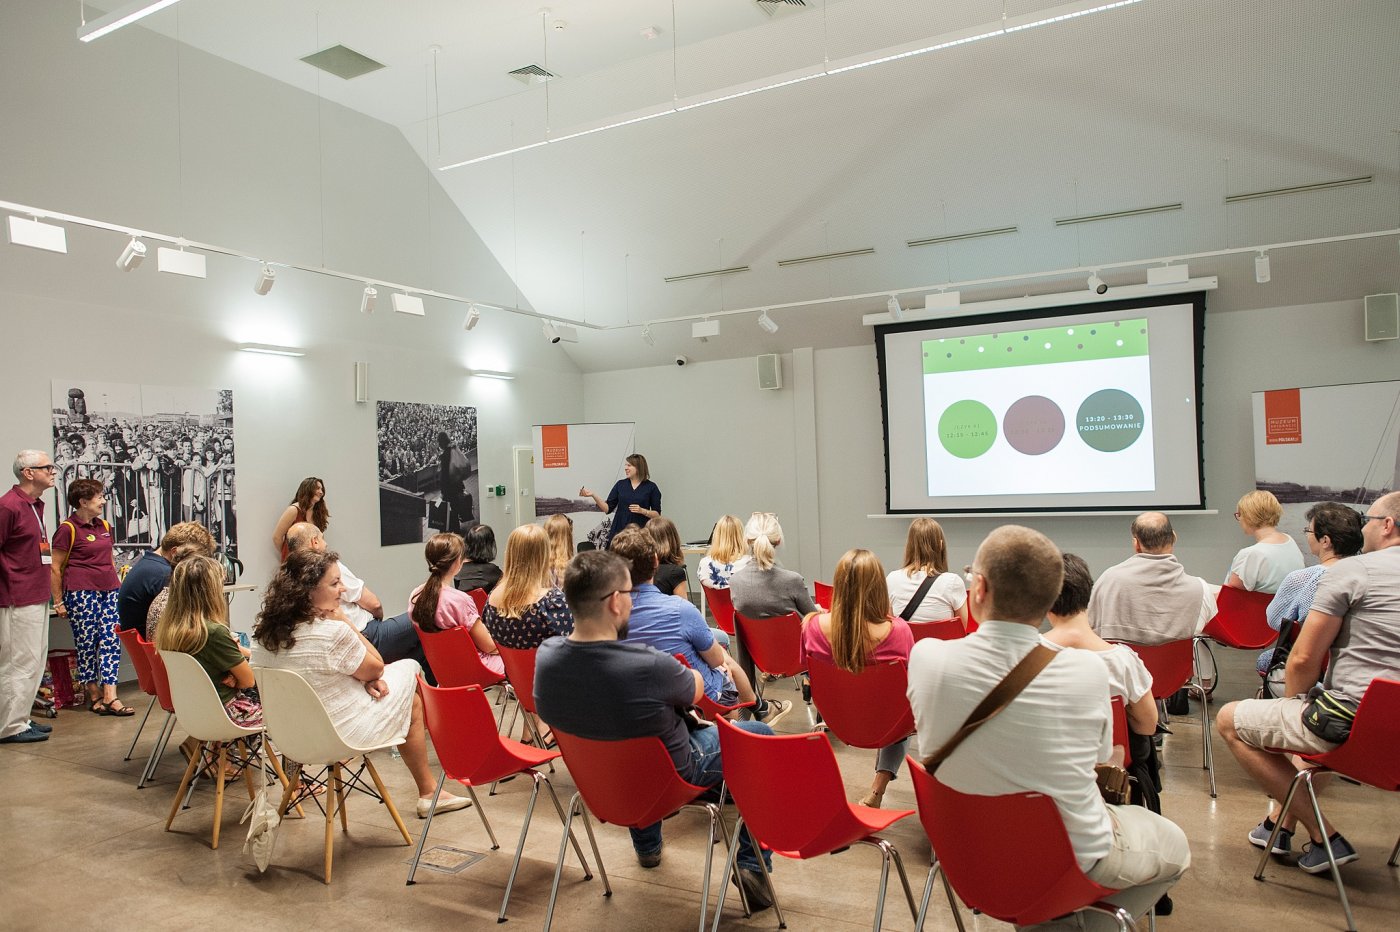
219, 655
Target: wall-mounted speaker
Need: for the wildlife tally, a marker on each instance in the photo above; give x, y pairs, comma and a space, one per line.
362, 382
1382, 317
770, 371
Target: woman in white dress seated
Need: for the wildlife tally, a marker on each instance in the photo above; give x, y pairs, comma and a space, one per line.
300, 628
1261, 566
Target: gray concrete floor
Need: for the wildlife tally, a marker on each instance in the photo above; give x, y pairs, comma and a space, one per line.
81, 847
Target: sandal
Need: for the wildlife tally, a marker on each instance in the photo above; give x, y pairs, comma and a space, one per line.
99, 707
119, 710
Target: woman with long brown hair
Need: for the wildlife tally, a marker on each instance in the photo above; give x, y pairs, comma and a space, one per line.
309, 504
371, 703
526, 607
438, 605
195, 622
941, 595
857, 632
670, 567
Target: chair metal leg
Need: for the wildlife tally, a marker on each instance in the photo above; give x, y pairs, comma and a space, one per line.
1119, 914
554, 798
729, 868
481, 814
575, 806
1327, 842
423, 839
728, 845
713, 812
903, 880
1278, 825
139, 728
1394, 854
388, 802
936, 870
157, 752
520, 845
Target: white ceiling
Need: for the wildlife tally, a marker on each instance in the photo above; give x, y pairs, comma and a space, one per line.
1163, 101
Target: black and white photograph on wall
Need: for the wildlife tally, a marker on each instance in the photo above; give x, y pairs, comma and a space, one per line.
163, 454
428, 480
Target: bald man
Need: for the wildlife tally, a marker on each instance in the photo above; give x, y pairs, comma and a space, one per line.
395, 638
1149, 598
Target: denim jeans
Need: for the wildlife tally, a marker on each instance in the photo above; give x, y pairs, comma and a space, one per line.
705, 770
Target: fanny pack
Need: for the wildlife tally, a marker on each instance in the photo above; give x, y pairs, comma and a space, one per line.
1329, 716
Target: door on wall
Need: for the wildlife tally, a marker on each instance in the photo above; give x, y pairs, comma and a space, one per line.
524, 460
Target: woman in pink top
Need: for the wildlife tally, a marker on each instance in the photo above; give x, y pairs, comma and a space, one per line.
438, 605
857, 632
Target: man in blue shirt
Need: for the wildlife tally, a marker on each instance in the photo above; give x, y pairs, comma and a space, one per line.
674, 626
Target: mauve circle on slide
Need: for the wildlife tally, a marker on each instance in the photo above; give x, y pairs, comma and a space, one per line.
1033, 425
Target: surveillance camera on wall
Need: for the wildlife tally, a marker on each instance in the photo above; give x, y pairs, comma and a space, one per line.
682, 360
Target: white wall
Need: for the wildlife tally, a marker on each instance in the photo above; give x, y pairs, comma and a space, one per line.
256, 165
719, 444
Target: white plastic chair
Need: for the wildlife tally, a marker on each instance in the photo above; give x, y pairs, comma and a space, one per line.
299, 724
203, 716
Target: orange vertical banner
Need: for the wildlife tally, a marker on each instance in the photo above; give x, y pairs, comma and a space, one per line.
1283, 418
554, 438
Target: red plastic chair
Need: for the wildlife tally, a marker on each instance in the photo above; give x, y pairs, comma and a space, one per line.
708, 707
1240, 621
971, 622
791, 796
774, 644
131, 639
822, 594
1033, 881
632, 783
161, 681
721, 606
1120, 729
1172, 666
470, 751
454, 658
520, 672
479, 596
869, 709
1370, 755
947, 629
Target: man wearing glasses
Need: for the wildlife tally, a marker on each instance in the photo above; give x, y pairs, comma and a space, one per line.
25, 559
1355, 617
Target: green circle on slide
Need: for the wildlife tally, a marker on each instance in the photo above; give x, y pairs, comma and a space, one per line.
967, 429
1110, 420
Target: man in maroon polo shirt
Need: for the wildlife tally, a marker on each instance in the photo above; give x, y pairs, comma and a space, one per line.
25, 559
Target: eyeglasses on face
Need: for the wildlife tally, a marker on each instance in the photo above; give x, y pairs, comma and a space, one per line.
1365, 518
50, 468
626, 592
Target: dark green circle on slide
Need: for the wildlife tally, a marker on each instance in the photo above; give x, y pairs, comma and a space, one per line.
1110, 420
967, 429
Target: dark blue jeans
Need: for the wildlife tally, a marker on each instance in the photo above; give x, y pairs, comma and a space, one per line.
706, 769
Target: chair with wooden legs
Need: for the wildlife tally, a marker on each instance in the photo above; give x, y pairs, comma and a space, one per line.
297, 721
202, 715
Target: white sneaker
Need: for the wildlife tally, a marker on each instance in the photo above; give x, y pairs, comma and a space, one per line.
446, 803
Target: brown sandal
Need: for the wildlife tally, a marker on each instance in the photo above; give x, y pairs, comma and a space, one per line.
120, 710
99, 707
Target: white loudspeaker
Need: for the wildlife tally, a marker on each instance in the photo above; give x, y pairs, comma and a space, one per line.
770, 371
362, 382
1382, 316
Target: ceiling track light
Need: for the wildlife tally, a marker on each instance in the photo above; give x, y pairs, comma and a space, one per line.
767, 323
1095, 284
892, 305
132, 255
551, 333
368, 299
473, 317
266, 279
647, 335
1262, 272
704, 329
37, 234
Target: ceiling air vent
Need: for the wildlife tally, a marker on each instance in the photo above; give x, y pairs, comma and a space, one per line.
342, 62
531, 74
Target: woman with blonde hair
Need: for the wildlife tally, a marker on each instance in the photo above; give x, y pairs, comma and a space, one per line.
195, 622
438, 605
924, 579
560, 529
762, 588
526, 607
726, 554
670, 567
857, 632
1261, 566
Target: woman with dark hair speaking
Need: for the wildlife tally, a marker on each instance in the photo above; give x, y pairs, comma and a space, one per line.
309, 504
634, 499
371, 703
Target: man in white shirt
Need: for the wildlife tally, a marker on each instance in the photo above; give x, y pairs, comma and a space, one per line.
395, 638
1051, 735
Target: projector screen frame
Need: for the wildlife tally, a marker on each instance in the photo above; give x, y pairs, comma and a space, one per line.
1197, 302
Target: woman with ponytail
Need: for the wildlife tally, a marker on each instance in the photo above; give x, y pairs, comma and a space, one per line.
761, 588
438, 605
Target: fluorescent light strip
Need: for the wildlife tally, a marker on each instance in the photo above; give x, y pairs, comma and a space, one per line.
122, 16
957, 237
489, 374
1299, 189
868, 251
788, 82
1117, 215
269, 349
710, 274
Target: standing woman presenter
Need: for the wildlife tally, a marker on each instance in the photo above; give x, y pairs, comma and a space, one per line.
634, 499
